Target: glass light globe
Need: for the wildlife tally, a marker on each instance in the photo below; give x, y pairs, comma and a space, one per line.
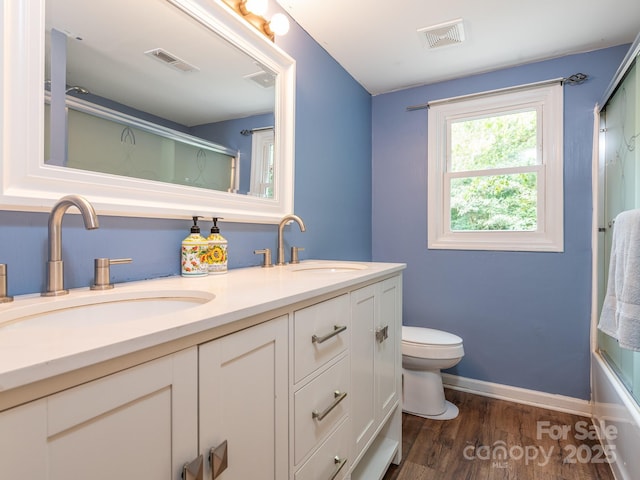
279, 24
259, 7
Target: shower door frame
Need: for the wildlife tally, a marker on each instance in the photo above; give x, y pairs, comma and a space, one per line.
612, 402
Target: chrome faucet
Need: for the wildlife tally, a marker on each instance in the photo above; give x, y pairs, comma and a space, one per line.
286, 219
55, 267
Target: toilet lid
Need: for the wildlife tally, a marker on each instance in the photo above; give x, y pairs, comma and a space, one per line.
429, 336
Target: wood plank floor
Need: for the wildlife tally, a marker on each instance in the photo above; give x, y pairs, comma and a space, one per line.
499, 440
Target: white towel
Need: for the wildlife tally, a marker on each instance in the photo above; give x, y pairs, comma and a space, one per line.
620, 315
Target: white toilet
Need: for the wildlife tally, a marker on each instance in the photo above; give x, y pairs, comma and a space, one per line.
426, 351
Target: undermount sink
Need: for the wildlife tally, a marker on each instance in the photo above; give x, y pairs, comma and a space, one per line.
328, 267
80, 309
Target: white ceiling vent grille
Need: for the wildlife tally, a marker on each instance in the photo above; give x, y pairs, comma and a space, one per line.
443, 34
264, 79
171, 60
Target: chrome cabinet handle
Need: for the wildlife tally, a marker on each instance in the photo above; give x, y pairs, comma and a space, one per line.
193, 470
338, 397
382, 333
339, 464
336, 330
218, 458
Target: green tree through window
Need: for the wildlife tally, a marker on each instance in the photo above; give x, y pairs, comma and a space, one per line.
483, 195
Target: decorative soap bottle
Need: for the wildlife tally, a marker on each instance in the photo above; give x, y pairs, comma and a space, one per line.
217, 250
193, 256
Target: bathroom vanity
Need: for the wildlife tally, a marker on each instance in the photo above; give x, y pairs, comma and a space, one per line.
262, 373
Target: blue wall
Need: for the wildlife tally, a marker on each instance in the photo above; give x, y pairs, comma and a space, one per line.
332, 195
524, 317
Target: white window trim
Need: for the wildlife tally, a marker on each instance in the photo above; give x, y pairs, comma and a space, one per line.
548, 237
260, 141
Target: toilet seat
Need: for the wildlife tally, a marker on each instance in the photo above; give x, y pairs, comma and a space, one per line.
430, 343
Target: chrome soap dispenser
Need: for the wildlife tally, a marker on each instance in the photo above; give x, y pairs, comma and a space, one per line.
193, 256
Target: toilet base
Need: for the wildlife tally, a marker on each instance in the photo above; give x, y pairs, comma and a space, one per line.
423, 395
451, 412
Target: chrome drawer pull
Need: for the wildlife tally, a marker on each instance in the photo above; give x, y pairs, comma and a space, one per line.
382, 333
340, 463
338, 398
336, 330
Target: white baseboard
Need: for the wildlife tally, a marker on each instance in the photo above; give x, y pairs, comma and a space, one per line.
534, 398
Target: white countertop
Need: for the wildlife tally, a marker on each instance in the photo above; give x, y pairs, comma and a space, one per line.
39, 348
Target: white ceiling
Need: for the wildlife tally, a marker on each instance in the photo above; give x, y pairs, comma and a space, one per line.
105, 53
378, 44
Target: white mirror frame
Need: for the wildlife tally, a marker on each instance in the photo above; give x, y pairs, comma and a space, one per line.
27, 184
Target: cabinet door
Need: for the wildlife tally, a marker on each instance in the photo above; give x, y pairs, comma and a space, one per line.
23, 433
140, 423
376, 331
244, 401
363, 398
388, 354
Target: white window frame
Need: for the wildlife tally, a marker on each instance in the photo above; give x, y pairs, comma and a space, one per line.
262, 142
548, 236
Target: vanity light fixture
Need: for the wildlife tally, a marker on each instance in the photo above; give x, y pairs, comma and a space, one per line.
259, 7
253, 12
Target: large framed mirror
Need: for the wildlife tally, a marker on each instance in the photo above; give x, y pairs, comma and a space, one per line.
160, 108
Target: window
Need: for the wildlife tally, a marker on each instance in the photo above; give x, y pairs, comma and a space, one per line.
495, 171
262, 141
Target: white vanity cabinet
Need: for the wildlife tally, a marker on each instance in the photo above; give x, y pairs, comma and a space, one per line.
140, 423
360, 340
243, 401
146, 422
302, 386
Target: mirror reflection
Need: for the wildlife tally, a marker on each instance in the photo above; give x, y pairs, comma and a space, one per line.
140, 89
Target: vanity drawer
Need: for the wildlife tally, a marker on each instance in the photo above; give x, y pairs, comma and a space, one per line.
332, 459
320, 334
319, 406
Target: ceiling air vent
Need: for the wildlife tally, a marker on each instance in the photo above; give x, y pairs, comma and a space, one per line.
264, 79
443, 34
170, 60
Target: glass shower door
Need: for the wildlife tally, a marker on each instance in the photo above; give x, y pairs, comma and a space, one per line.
620, 124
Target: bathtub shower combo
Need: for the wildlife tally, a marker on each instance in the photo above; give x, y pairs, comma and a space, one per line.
615, 363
